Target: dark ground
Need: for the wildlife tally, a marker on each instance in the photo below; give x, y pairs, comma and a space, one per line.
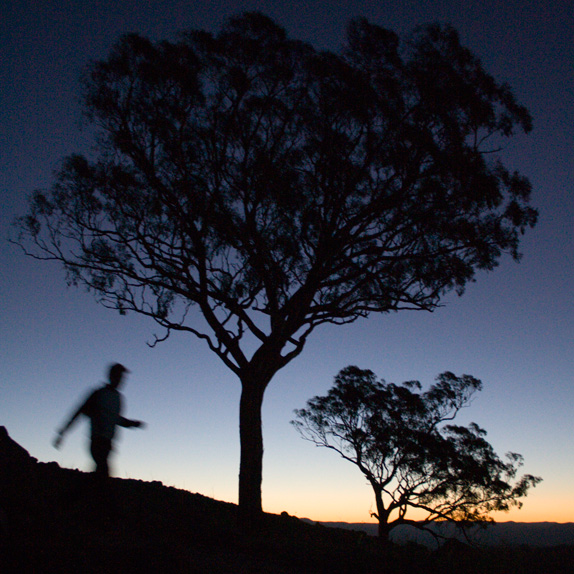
59, 520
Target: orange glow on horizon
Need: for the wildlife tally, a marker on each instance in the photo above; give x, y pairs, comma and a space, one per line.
352, 501
357, 509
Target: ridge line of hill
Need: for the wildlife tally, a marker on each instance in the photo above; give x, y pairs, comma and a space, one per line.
56, 520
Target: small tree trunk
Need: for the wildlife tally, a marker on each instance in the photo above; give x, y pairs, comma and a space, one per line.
382, 515
251, 463
384, 531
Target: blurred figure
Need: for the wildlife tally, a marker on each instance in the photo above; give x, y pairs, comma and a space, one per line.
104, 409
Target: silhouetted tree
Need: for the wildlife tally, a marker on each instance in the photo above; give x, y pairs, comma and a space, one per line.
398, 438
277, 188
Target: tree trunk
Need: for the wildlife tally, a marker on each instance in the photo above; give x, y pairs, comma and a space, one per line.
251, 463
266, 361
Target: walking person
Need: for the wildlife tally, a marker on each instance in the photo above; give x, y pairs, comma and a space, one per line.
104, 409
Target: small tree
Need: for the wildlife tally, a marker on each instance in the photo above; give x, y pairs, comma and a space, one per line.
275, 188
412, 460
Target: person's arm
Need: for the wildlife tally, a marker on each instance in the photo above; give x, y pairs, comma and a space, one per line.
125, 422
60, 432
130, 423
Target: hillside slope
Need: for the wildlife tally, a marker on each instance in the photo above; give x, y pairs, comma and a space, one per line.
60, 520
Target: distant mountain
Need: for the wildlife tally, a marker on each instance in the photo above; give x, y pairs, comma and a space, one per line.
538, 534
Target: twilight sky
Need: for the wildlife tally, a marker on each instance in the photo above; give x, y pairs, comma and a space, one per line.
513, 328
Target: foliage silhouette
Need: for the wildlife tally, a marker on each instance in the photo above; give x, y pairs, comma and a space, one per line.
275, 188
398, 438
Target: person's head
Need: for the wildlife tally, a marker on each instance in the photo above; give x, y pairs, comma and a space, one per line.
116, 374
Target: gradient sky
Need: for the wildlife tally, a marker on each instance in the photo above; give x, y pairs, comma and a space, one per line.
513, 328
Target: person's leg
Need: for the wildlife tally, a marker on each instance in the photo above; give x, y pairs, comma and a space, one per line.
100, 450
103, 498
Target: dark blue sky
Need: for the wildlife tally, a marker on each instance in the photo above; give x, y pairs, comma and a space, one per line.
513, 329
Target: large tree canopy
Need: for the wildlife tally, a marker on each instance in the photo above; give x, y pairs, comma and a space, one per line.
277, 188
401, 441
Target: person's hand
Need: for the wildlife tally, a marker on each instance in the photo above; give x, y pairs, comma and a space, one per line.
58, 440
139, 424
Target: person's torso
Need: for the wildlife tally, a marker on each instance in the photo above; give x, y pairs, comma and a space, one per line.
105, 412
